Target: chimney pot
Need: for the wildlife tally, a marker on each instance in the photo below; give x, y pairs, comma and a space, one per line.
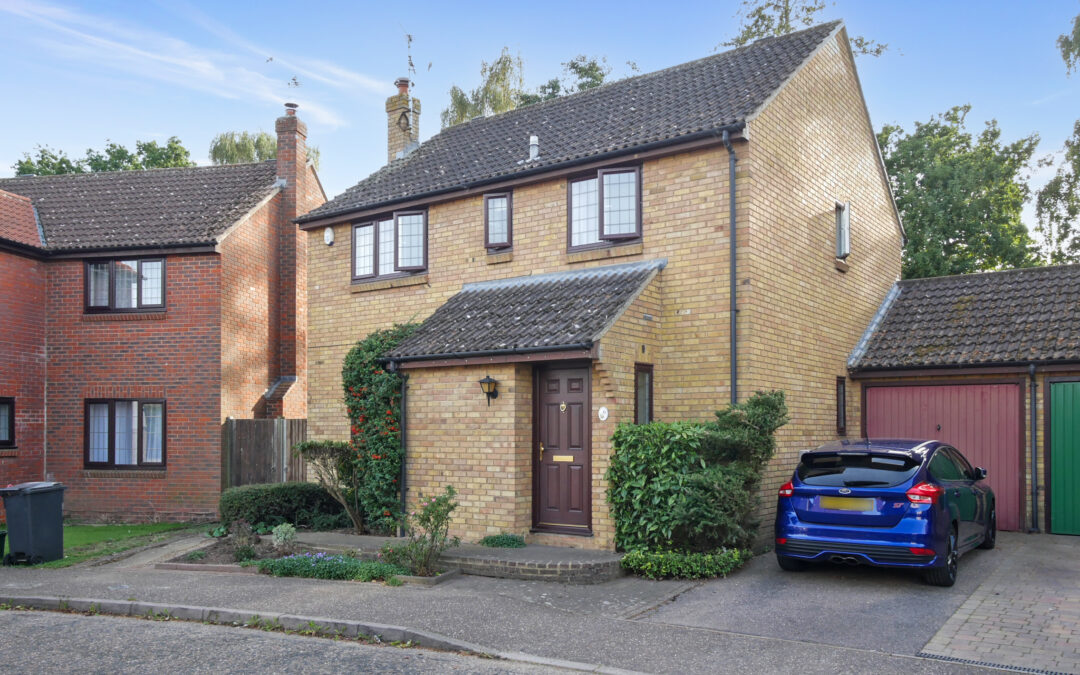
402, 84
290, 108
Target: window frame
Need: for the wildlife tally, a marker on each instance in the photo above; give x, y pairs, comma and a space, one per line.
111, 307
841, 406
111, 463
373, 274
644, 368
499, 246
10, 442
606, 240
843, 230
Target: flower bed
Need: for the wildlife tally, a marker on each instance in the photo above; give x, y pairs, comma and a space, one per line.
329, 566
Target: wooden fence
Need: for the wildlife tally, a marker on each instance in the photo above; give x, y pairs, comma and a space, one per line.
260, 451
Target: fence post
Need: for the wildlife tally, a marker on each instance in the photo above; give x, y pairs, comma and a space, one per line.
228, 444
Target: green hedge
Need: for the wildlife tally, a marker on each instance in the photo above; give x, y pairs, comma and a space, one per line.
691, 486
675, 565
304, 505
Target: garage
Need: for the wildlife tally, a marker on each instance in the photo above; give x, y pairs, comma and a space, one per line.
984, 421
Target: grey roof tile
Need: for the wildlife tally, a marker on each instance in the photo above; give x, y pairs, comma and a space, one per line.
157, 207
542, 312
704, 95
1014, 316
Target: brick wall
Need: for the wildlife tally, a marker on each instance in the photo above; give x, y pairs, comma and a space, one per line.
22, 365
174, 356
800, 316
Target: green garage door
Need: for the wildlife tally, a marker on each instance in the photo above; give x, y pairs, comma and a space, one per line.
1065, 457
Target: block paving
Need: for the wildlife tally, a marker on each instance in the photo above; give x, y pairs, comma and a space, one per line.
1026, 615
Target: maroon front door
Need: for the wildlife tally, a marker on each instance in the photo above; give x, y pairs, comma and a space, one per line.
561, 455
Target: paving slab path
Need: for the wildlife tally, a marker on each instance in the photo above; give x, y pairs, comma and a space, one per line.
583, 624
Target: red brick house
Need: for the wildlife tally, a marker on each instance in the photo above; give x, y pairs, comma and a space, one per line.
142, 308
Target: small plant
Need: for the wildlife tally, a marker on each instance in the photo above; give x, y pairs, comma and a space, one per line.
262, 528
395, 582
329, 566
284, 537
244, 553
219, 531
675, 565
503, 541
428, 532
195, 555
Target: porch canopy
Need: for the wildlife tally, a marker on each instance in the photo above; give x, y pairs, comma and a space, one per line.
558, 315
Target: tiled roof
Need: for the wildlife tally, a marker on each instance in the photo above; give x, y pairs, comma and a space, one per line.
542, 312
979, 319
665, 106
157, 207
17, 220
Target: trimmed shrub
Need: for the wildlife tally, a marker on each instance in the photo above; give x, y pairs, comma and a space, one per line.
328, 566
305, 504
675, 565
503, 541
333, 463
689, 486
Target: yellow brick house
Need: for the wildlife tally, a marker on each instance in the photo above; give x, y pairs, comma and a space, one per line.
579, 252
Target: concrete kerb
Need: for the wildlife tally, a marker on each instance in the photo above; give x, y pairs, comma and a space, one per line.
291, 622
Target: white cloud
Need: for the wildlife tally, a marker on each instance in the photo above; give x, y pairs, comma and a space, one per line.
155, 56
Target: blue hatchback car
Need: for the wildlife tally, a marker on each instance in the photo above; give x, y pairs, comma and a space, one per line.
904, 504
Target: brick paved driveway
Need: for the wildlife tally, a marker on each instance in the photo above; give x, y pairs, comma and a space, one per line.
1016, 606
1026, 614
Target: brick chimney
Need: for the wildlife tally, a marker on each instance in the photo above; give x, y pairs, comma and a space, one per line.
402, 121
292, 172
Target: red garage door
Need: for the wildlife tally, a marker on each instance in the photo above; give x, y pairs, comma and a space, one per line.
983, 420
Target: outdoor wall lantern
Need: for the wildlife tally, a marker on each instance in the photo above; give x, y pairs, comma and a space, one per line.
488, 386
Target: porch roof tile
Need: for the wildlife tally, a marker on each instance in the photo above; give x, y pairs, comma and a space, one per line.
543, 312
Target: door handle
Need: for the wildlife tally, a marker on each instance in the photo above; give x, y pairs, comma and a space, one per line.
541, 451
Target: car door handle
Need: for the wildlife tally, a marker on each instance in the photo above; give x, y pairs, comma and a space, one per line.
956, 493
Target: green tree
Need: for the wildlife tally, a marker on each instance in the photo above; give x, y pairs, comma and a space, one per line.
47, 162
771, 18
239, 147
960, 196
1069, 44
501, 85
115, 157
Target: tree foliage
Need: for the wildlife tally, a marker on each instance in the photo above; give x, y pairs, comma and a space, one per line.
115, 157
772, 18
1069, 44
502, 86
1057, 207
240, 147
960, 196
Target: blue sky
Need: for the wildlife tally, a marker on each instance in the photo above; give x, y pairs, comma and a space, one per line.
76, 74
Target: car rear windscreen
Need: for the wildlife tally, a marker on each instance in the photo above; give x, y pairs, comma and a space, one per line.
856, 470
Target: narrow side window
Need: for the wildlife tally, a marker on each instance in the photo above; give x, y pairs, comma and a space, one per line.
843, 230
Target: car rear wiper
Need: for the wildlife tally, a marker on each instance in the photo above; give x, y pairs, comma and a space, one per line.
864, 483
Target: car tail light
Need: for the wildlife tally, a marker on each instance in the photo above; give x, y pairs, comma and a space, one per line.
786, 490
922, 551
925, 493
780, 541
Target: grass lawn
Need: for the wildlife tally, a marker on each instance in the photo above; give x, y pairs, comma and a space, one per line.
83, 542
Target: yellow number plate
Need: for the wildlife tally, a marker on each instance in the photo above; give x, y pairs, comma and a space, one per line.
847, 503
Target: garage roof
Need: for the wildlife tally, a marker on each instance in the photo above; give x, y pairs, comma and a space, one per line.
992, 318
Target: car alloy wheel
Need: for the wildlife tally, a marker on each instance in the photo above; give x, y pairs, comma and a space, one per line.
945, 575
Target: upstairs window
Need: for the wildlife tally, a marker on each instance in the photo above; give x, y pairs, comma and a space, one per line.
7, 423
604, 208
498, 221
643, 393
843, 230
123, 433
391, 246
136, 284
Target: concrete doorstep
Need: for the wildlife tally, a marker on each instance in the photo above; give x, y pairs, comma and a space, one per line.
319, 626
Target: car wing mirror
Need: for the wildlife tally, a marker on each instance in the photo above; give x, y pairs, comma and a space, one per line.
980, 473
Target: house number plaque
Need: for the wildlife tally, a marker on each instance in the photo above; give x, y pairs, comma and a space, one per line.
602, 413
